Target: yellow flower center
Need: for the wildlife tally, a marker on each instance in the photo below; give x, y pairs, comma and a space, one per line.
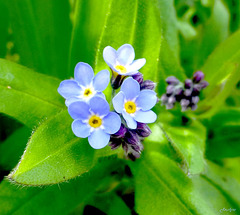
95, 121
121, 68
87, 92
130, 107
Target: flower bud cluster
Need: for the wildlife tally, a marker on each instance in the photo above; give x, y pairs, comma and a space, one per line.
187, 93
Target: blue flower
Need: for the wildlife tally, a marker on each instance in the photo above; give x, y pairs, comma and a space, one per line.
134, 104
122, 61
94, 120
85, 86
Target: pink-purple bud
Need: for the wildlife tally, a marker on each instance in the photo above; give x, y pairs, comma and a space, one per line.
198, 76
147, 85
143, 130
172, 80
138, 77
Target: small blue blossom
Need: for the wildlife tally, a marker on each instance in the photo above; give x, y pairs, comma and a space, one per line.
122, 61
94, 120
134, 104
85, 86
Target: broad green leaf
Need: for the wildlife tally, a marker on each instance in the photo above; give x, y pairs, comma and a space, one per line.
159, 180
13, 147
54, 154
88, 24
188, 140
147, 26
27, 96
224, 134
41, 32
56, 199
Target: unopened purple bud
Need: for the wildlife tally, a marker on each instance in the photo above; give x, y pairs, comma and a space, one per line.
132, 138
143, 130
197, 87
198, 76
171, 100
169, 106
172, 80
195, 99
147, 85
170, 89
164, 98
121, 132
187, 92
115, 143
138, 77
178, 91
194, 107
184, 102
203, 84
188, 83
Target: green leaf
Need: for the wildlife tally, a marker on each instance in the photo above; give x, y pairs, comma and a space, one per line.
41, 31
159, 179
56, 199
188, 141
147, 26
13, 147
54, 154
224, 134
88, 24
27, 96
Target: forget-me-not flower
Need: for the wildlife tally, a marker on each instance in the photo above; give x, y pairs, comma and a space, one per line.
85, 86
122, 61
134, 104
94, 120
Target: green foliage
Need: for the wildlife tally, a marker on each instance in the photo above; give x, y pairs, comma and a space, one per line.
190, 162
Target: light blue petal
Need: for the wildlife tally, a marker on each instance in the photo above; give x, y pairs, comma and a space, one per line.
111, 123
137, 64
79, 110
145, 116
101, 80
110, 56
71, 100
131, 123
69, 88
83, 74
99, 106
100, 94
118, 102
125, 54
130, 88
146, 99
80, 129
98, 139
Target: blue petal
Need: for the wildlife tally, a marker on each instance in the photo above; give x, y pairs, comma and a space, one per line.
101, 80
145, 116
83, 74
69, 88
118, 102
137, 64
110, 56
111, 123
131, 123
130, 88
79, 110
71, 100
146, 99
99, 106
80, 129
98, 139
125, 54
99, 94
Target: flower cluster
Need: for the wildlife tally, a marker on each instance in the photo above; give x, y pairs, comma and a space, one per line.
187, 93
87, 105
